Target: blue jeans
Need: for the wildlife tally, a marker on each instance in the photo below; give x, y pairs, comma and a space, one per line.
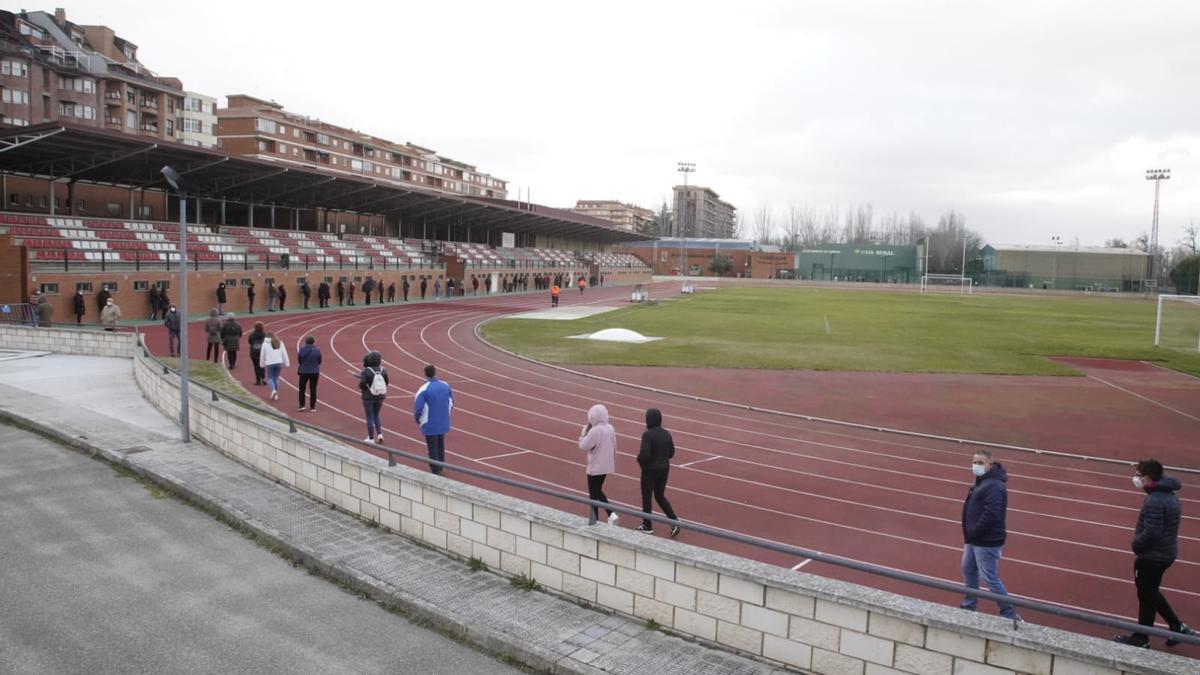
982, 561
374, 426
273, 371
173, 342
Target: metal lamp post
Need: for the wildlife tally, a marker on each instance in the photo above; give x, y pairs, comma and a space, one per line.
176, 180
685, 168
1054, 268
1158, 176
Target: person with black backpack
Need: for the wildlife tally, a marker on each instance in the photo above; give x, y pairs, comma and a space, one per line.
373, 383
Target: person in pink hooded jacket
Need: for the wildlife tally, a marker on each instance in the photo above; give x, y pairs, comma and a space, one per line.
599, 440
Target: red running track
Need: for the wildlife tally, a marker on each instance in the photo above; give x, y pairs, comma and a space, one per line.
877, 497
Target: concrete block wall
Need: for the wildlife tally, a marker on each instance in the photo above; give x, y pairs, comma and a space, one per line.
68, 341
801, 621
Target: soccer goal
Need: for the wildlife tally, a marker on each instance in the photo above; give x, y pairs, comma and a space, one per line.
1177, 322
941, 282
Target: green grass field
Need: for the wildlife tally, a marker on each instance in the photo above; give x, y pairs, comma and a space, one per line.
822, 329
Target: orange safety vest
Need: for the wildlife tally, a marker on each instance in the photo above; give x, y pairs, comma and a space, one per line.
554, 291
582, 283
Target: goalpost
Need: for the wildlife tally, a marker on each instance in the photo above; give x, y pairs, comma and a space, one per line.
1177, 322
965, 284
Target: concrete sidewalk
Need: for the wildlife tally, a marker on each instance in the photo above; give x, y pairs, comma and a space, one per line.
93, 403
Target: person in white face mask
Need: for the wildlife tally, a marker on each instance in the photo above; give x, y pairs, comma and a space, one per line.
984, 531
1155, 543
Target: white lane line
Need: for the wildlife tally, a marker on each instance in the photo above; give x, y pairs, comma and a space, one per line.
1145, 398
802, 563
706, 459
507, 454
827, 330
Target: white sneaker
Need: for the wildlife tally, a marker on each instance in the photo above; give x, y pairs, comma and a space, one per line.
368, 439
612, 518
379, 439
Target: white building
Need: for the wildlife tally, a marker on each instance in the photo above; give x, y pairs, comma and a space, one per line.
198, 120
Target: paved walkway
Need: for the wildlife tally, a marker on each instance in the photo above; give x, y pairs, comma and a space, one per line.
94, 404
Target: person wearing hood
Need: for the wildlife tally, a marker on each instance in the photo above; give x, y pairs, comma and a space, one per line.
79, 306
1155, 545
599, 440
172, 323
255, 340
655, 459
373, 394
110, 315
984, 531
212, 331
431, 410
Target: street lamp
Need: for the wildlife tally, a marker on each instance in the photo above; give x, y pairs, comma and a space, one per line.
177, 182
1054, 270
1158, 176
685, 168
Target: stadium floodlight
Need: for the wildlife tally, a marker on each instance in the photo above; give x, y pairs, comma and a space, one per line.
1158, 176
176, 180
1054, 268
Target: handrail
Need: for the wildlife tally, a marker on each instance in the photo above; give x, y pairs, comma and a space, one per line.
766, 544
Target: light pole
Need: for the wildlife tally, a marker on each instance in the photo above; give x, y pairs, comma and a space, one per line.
1158, 176
1054, 269
176, 180
684, 168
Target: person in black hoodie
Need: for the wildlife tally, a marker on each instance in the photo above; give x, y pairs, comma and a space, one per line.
984, 531
655, 459
372, 403
255, 340
80, 309
1155, 545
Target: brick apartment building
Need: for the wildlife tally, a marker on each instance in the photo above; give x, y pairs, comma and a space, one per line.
626, 216
700, 212
257, 128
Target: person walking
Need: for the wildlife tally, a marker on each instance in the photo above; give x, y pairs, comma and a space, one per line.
372, 382
341, 292
404, 286
173, 325
79, 307
554, 291
212, 330
582, 283
308, 360
599, 440
110, 315
984, 532
255, 341
431, 410
487, 285
391, 292
424, 286
231, 339
222, 298
250, 293
1155, 546
654, 457
282, 297
305, 293
273, 359
153, 297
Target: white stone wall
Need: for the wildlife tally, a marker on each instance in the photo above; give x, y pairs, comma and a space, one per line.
799, 620
68, 341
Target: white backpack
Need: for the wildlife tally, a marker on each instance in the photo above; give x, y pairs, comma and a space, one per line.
378, 385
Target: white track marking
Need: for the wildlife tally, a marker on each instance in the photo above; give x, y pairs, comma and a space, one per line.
1145, 398
507, 454
800, 564
699, 461
827, 329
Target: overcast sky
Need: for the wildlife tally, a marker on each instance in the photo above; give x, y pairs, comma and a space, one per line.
1034, 119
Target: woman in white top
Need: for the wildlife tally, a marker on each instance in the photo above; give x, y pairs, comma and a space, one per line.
273, 358
599, 439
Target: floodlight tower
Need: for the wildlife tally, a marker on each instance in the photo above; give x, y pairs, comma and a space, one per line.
1054, 269
1158, 176
684, 168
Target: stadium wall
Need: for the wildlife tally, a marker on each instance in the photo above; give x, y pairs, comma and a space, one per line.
791, 618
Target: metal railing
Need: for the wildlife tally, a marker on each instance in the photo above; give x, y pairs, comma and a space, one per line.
19, 314
765, 544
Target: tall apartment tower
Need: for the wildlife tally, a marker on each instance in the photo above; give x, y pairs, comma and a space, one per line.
700, 212
54, 70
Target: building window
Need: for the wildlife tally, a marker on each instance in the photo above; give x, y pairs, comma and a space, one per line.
48, 289
264, 125
141, 285
323, 139
14, 67
113, 209
110, 286
83, 286
15, 96
283, 148
14, 121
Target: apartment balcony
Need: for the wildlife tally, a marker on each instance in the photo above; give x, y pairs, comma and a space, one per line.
113, 123
151, 103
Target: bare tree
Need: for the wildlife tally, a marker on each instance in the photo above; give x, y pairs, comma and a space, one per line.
828, 234
764, 225
1190, 234
739, 226
1116, 242
810, 234
791, 228
946, 243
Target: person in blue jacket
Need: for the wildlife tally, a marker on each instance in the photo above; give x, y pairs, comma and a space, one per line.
431, 410
308, 361
984, 531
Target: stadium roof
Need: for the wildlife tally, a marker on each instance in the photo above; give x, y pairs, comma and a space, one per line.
67, 152
1039, 248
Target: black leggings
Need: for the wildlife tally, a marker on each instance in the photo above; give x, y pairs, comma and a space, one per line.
309, 380
231, 357
655, 481
213, 352
596, 492
1147, 576
260, 373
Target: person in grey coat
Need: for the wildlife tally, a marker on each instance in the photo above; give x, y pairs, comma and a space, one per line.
212, 330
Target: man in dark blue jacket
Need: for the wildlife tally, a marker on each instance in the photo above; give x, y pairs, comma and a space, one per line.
984, 531
1155, 543
308, 361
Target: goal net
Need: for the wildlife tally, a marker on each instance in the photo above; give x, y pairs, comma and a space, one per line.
946, 282
1177, 322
